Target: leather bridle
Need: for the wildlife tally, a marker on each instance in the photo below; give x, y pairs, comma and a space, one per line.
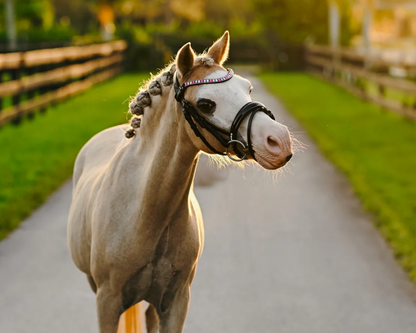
227, 138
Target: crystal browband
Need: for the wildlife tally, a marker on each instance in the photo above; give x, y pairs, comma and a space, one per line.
229, 75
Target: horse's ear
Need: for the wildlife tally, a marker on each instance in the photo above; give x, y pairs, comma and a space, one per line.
185, 59
220, 49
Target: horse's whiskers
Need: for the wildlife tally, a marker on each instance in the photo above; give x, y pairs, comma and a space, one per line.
297, 145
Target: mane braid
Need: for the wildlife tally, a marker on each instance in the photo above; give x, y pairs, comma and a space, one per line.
153, 87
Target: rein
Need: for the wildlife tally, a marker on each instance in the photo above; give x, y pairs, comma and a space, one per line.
227, 138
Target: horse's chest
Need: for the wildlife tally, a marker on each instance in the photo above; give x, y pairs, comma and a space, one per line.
173, 262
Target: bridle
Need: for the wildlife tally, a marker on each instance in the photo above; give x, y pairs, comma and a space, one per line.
227, 138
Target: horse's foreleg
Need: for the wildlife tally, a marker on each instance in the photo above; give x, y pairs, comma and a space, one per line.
109, 309
152, 320
173, 320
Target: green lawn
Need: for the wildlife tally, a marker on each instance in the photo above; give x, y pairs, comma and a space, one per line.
374, 148
38, 155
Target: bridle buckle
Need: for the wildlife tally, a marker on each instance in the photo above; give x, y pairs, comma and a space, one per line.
245, 149
179, 92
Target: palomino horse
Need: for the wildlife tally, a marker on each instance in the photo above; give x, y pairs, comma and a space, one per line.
135, 227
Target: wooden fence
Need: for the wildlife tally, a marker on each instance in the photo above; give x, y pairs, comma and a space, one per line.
366, 77
32, 80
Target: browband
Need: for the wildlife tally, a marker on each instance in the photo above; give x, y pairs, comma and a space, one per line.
180, 89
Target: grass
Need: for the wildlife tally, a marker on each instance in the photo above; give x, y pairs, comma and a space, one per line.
39, 154
376, 150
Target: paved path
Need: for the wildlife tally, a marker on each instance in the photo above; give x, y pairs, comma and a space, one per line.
295, 256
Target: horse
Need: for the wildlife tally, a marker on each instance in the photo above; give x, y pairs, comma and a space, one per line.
135, 226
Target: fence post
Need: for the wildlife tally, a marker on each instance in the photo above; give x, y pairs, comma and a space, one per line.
31, 93
1, 98
16, 99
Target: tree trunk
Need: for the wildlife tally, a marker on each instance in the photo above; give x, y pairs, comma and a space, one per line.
10, 24
334, 24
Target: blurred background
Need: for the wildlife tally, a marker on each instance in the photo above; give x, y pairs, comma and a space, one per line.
160, 27
340, 73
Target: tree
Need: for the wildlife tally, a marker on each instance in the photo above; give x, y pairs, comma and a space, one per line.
297, 21
11, 24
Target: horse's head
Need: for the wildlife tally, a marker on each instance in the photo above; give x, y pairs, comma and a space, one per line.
223, 113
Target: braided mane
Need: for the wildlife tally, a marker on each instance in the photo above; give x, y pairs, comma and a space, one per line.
153, 87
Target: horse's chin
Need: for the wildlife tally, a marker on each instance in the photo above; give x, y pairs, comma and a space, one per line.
267, 164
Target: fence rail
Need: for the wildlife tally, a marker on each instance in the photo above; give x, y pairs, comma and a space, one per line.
32, 80
366, 77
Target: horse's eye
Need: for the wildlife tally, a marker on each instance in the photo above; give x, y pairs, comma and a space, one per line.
206, 105
251, 89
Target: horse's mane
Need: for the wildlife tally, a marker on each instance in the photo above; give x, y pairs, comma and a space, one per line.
158, 75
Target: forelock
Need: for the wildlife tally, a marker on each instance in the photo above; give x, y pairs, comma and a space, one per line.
205, 61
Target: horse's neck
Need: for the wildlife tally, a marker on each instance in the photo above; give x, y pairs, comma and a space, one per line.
169, 160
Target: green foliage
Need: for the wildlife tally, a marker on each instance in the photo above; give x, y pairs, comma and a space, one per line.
301, 20
38, 155
276, 22
374, 148
31, 10
82, 14
142, 53
55, 33
40, 34
29, 13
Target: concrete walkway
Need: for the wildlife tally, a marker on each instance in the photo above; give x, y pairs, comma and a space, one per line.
297, 255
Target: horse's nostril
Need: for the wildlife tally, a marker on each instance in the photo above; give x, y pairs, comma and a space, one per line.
272, 142
289, 157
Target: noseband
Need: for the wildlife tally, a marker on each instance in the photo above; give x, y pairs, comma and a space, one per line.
226, 138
